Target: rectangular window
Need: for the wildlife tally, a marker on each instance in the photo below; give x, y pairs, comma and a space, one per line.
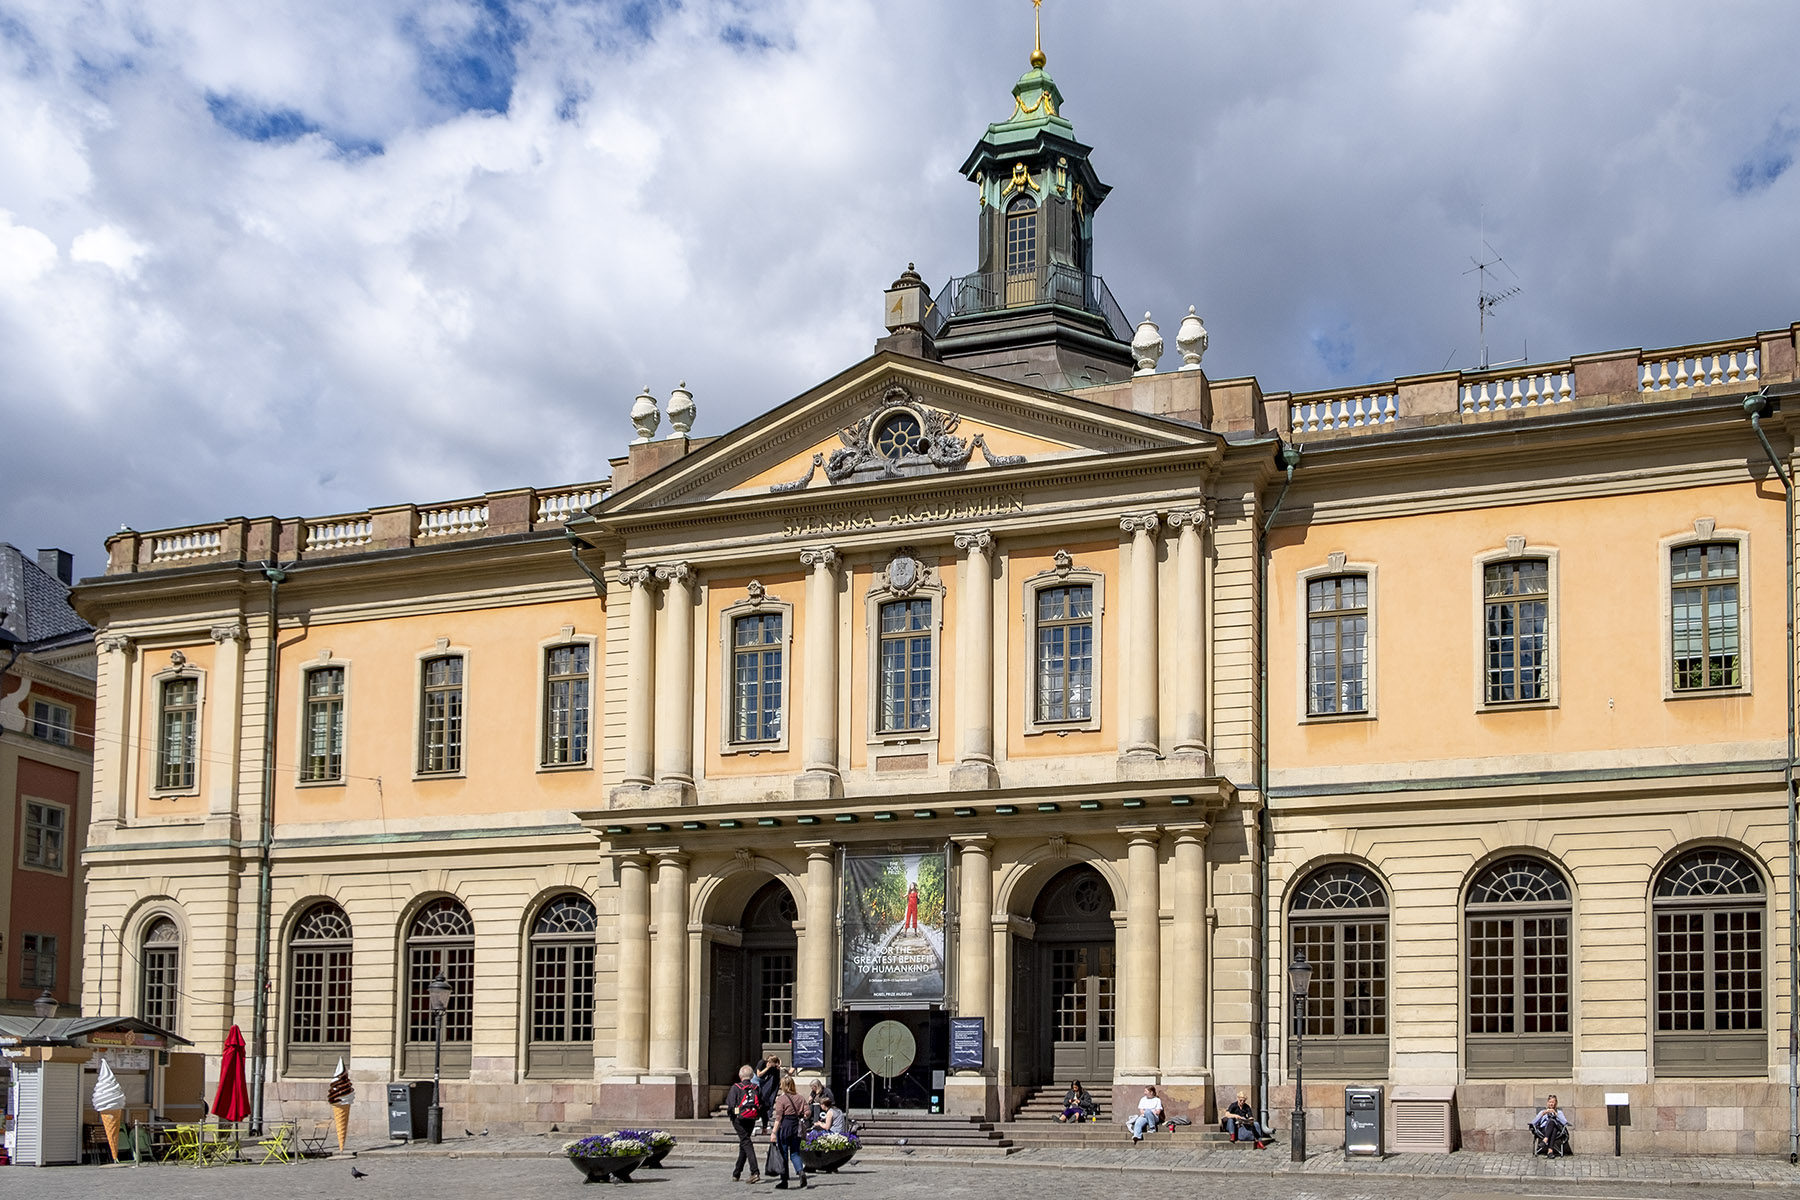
1518, 630
1704, 608
324, 760
566, 705
775, 997
756, 669
177, 733
441, 716
1337, 645
53, 722
562, 992
320, 991
457, 962
905, 700
37, 960
1065, 653
45, 831
1021, 242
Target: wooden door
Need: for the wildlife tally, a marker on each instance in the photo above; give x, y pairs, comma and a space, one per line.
1082, 992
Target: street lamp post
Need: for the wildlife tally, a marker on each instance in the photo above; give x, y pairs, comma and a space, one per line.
439, 990
45, 1005
1299, 982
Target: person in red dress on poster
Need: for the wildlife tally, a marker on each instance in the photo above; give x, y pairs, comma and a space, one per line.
912, 909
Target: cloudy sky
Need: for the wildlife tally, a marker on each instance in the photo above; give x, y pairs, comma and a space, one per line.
304, 256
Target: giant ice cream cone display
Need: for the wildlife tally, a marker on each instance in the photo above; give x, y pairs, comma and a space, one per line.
342, 1094
109, 1102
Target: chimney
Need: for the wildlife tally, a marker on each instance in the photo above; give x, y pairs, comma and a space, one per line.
59, 563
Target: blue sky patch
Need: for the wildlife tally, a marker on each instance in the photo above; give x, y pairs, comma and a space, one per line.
1768, 162
1336, 350
474, 71
281, 125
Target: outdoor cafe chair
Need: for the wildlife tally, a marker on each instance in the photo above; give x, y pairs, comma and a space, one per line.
184, 1144
313, 1144
279, 1147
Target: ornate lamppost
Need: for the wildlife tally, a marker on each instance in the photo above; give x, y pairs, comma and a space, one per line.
440, 991
45, 1005
1299, 982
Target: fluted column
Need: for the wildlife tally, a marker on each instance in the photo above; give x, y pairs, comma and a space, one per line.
224, 721
975, 665
1189, 658
1187, 947
632, 1047
675, 680
640, 678
669, 969
975, 937
819, 722
112, 749
813, 995
1141, 1030
1143, 735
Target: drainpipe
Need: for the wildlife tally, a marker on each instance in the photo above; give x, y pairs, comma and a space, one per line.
1757, 407
1287, 457
265, 838
575, 545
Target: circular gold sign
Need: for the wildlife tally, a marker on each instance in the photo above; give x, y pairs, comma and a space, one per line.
889, 1049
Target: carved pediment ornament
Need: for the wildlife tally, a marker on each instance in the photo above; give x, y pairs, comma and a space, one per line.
755, 591
896, 438
1064, 562
904, 573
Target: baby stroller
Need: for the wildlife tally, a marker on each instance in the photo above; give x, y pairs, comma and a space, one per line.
1550, 1137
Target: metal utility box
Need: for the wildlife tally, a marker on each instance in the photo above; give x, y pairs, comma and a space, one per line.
407, 1110
1424, 1120
1363, 1121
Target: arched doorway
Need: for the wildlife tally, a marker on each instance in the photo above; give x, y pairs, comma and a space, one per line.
1065, 983
752, 1007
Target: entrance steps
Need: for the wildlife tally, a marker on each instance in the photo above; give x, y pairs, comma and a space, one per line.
1046, 1104
908, 1131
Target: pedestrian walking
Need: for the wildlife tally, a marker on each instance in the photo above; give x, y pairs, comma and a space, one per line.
789, 1117
742, 1105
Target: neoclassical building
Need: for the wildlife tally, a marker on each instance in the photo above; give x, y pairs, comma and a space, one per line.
1004, 676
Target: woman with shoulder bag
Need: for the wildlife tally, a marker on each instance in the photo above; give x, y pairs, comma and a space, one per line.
789, 1113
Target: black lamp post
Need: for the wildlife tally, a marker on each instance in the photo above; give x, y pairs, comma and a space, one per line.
1299, 982
440, 991
45, 1005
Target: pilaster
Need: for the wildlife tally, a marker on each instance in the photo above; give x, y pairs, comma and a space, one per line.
1188, 659
674, 734
1143, 726
819, 777
974, 769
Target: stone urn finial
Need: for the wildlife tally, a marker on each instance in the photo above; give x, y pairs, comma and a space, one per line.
1147, 346
1191, 340
681, 410
646, 416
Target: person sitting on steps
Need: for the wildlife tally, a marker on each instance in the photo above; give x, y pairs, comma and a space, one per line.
1240, 1122
1078, 1104
1149, 1115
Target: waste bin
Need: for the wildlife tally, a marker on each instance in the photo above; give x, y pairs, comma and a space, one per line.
408, 1106
1362, 1121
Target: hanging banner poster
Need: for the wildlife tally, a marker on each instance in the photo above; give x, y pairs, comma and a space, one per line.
894, 928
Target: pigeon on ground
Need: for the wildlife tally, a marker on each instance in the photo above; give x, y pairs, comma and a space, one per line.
356, 1174
468, 1132
554, 1129
484, 1131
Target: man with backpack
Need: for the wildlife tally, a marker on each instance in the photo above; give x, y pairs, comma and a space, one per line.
743, 1104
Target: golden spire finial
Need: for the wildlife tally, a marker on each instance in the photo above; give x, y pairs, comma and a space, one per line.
1037, 29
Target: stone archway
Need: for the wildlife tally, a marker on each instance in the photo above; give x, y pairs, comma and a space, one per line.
753, 978
1064, 993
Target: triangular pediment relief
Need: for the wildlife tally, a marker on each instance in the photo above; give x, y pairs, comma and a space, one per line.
892, 418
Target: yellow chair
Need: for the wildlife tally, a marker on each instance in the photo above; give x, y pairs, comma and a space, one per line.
184, 1144
279, 1146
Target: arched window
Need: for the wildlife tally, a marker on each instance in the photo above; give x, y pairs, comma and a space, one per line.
318, 990
159, 1001
1708, 915
442, 938
1021, 251
1518, 980
1339, 916
562, 989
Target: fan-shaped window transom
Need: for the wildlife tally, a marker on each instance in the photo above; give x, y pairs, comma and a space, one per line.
323, 923
564, 915
1708, 872
1515, 881
1338, 887
442, 919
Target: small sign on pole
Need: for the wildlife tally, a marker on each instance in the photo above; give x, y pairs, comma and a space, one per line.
1618, 1115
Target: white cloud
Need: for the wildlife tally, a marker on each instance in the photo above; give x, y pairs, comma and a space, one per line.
26, 254
109, 246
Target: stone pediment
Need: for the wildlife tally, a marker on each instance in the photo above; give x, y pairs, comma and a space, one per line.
892, 418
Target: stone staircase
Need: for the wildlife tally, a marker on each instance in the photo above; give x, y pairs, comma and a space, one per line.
1046, 1104
916, 1132
1035, 1126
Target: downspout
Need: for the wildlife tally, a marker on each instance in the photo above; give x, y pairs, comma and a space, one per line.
265, 839
575, 545
1287, 457
1758, 406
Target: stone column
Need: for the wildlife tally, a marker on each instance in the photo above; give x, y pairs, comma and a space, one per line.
224, 722
112, 749
975, 667
640, 678
819, 778
1189, 659
817, 963
972, 1093
1140, 1031
669, 968
675, 693
1187, 1003
1143, 737
631, 1052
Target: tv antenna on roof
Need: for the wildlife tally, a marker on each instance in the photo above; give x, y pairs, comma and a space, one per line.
1490, 297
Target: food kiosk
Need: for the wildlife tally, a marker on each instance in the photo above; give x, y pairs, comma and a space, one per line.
52, 1064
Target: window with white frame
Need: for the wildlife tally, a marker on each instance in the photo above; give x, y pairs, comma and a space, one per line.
757, 668
159, 963
1516, 620
566, 690
1705, 628
1710, 975
324, 757
904, 660
46, 832
1064, 657
37, 960
177, 741
52, 722
1337, 645
441, 715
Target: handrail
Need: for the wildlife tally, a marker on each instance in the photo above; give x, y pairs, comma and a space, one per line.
1060, 284
849, 1091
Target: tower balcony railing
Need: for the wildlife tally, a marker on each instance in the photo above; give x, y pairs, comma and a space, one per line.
1053, 283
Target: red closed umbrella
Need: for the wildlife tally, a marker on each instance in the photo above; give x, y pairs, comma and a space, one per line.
232, 1101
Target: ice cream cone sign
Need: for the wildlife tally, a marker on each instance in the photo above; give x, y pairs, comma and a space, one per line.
109, 1102
341, 1093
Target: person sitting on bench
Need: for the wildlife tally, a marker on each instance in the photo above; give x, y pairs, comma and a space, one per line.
1550, 1131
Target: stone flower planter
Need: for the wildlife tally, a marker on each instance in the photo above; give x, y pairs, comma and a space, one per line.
827, 1161
616, 1167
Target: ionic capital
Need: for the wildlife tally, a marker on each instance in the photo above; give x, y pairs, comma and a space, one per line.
1194, 518
114, 643
678, 572
227, 633
975, 541
636, 576
824, 558
1145, 523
